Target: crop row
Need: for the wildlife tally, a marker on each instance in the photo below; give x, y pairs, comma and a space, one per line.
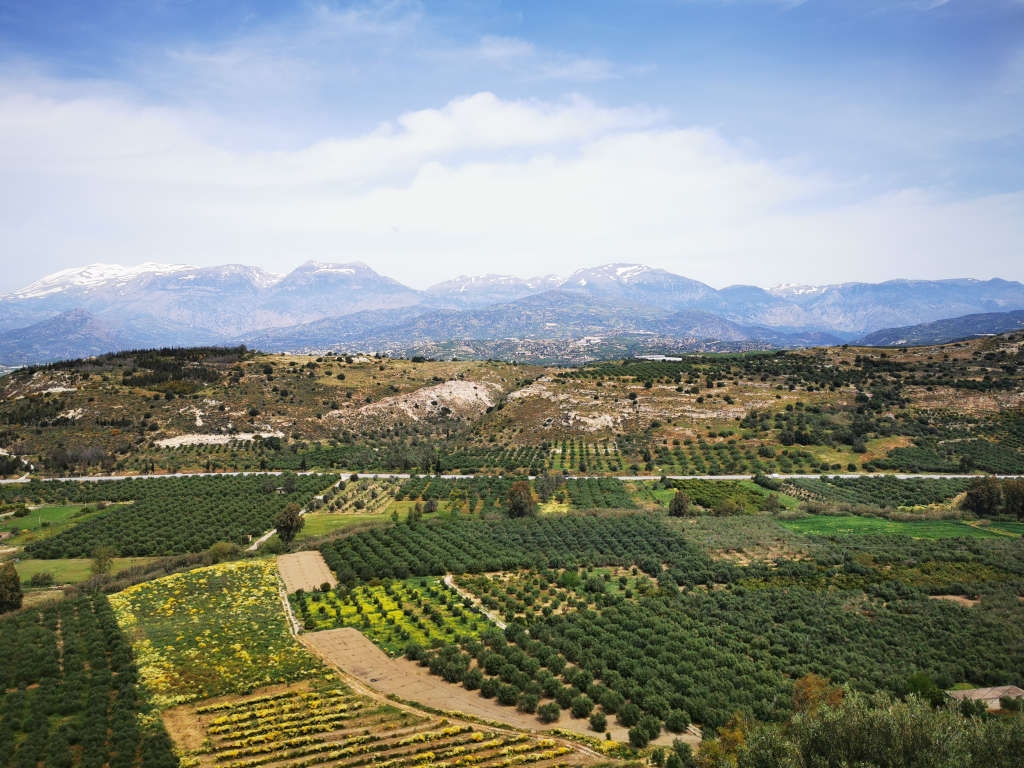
377, 735
882, 491
479, 494
394, 614
173, 515
69, 691
474, 546
591, 493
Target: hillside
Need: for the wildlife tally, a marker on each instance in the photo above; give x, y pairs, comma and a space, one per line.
953, 407
950, 329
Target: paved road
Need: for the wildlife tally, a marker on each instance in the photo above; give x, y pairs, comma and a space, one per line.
407, 475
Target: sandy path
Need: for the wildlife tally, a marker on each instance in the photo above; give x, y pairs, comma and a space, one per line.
349, 650
304, 570
494, 616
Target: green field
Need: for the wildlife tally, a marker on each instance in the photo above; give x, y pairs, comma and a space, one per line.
36, 517
45, 521
324, 523
846, 525
72, 570
1016, 529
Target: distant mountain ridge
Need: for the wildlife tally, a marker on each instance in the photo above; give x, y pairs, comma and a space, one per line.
947, 330
323, 305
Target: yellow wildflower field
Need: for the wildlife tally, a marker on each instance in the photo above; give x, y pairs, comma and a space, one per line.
211, 631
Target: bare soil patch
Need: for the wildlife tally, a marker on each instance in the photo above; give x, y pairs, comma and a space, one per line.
304, 570
351, 651
960, 599
212, 439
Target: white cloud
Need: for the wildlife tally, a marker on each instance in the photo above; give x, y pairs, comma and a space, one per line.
480, 184
525, 61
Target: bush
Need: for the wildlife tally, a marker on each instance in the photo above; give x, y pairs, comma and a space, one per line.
680, 505
581, 706
629, 714
549, 713
638, 737
528, 702
41, 579
598, 721
677, 720
473, 679
507, 694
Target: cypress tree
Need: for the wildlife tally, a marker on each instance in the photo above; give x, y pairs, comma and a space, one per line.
10, 589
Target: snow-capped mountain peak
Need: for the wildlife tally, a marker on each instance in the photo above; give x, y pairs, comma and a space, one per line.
619, 273
93, 276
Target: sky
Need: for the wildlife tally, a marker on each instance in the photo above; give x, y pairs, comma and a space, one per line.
731, 141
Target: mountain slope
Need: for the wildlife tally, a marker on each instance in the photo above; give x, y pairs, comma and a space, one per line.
333, 305
468, 291
950, 329
71, 334
864, 307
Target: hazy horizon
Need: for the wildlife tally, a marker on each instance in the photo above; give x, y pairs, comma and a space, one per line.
283, 272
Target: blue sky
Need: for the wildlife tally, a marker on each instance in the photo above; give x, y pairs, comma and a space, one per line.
745, 141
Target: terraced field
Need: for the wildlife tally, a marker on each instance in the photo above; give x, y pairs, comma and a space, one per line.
327, 723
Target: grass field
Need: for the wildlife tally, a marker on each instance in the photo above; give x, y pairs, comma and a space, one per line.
1016, 529
829, 525
44, 521
72, 570
325, 523
37, 517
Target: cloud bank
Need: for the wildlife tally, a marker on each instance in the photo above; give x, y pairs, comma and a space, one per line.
478, 184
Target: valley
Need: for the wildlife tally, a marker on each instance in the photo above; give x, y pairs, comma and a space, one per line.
349, 560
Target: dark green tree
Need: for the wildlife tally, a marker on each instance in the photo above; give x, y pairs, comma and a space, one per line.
680, 505
289, 522
10, 589
520, 500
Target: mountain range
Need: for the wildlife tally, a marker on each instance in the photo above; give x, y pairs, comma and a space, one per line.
947, 330
320, 306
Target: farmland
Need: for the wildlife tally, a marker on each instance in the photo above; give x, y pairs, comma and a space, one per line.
70, 693
394, 614
171, 515
584, 621
479, 546
879, 491
211, 631
326, 722
844, 525
538, 590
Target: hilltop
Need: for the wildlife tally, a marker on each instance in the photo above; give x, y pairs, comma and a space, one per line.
952, 407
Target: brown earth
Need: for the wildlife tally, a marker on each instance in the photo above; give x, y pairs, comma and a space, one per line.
960, 599
352, 652
304, 570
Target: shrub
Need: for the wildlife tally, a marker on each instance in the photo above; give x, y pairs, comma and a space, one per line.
581, 706
677, 720
549, 713
528, 702
638, 737
41, 579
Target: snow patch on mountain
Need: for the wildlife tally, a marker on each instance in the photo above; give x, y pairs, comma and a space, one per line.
93, 276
